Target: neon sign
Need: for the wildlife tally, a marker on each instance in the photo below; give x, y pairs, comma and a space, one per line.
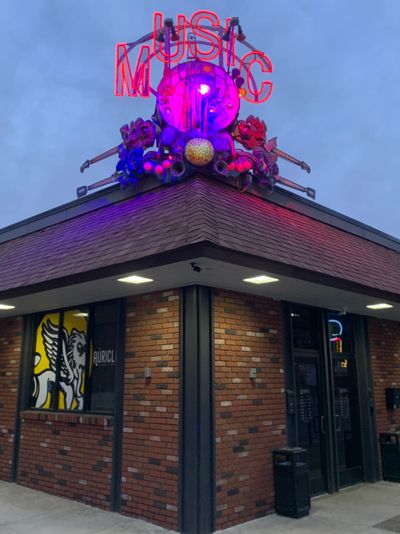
203, 38
196, 120
335, 335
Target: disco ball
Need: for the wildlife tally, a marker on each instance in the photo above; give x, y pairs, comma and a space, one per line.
199, 151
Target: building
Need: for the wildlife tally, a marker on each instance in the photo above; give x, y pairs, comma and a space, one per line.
165, 399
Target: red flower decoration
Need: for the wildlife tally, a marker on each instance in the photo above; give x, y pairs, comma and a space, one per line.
250, 133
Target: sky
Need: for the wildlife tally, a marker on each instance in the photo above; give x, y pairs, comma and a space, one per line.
335, 101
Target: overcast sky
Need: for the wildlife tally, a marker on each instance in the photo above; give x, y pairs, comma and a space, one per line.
335, 102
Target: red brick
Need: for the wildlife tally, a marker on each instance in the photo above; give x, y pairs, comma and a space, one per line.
243, 456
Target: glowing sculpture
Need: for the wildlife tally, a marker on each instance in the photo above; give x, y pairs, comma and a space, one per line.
195, 123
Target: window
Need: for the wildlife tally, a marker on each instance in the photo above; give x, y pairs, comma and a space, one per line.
340, 333
74, 359
304, 327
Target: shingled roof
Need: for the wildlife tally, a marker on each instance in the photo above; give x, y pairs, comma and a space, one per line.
197, 211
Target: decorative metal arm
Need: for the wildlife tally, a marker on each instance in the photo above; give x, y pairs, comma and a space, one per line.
308, 190
281, 154
104, 155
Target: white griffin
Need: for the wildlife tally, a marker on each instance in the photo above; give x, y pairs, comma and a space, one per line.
72, 356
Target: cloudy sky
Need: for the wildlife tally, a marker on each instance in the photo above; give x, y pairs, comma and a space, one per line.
335, 103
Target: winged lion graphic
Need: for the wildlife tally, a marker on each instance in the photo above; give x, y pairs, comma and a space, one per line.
72, 365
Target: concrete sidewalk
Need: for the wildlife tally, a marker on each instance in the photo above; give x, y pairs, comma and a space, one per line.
363, 509
355, 510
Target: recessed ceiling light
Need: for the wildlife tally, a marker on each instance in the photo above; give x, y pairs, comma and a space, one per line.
262, 279
379, 306
134, 279
6, 307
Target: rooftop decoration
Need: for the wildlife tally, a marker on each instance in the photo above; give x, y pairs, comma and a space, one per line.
195, 125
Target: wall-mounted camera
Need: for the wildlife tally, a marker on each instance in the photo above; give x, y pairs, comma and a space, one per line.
196, 268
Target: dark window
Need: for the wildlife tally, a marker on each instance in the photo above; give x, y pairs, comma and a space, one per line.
74, 359
304, 327
104, 357
340, 333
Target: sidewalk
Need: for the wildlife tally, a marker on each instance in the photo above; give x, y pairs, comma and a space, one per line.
363, 509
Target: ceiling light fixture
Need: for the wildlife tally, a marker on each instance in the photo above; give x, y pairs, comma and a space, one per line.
6, 307
134, 279
262, 279
379, 306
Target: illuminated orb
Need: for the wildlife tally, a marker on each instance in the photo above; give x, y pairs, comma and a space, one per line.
198, 95
199, 151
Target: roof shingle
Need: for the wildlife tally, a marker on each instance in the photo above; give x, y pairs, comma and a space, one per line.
198, 210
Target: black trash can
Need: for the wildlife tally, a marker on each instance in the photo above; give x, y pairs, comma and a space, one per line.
292, 485
390, 455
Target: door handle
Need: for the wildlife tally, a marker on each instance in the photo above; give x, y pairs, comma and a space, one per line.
322, 424
338, 423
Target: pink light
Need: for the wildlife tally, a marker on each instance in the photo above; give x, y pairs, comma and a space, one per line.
204, 89
247, 165
138, 83
204, 34
159, 47
254, 95
147, 166
230, 46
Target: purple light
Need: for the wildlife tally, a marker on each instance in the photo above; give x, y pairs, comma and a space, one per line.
195, 97
204, 89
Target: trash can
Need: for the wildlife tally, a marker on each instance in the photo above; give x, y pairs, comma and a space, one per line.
292, 486
390, 455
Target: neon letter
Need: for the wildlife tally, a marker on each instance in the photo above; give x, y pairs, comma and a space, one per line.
208, 35
230, 46
254, 95
180, 43
139, 83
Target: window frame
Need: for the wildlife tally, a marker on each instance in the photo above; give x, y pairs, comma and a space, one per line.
90, 307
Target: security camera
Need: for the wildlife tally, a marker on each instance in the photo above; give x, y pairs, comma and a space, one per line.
196, 268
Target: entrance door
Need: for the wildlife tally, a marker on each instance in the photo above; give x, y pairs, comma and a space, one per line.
309, 416
346, 403
327, 407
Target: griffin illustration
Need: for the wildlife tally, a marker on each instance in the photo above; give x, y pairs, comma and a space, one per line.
71, 365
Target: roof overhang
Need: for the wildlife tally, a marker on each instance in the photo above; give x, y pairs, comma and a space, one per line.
219, 268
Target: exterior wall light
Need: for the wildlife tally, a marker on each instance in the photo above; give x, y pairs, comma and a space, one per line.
6, 307
262, 279
134, 279
379, 306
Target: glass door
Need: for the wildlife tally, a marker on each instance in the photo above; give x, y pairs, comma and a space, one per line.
346, 402
326, 415
309, 416
308, 379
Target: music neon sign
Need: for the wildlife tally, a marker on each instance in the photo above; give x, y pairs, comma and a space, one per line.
202, 37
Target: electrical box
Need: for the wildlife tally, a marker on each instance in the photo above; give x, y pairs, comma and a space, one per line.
392, 398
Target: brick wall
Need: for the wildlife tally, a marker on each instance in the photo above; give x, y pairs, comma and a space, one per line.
151, 409
67, 455
384, 338
10, 352
250, 414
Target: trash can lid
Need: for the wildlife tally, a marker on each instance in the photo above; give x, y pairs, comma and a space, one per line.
290, 450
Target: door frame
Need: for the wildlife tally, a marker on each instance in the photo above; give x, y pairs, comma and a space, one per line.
365, 396
314, 355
